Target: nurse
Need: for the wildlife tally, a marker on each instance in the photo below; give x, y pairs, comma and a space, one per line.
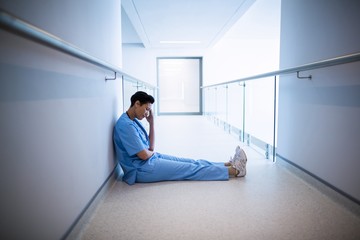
135, 152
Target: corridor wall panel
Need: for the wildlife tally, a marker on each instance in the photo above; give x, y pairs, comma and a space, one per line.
57, 116
319, 119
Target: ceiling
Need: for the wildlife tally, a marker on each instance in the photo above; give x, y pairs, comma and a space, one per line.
179, 23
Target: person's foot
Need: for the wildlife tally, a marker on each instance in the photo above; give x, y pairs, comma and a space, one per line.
229, 163
239, 161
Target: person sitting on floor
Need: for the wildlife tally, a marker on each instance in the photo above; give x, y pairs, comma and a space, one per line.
141, 164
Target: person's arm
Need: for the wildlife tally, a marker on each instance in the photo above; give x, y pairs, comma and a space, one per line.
147, 153
150, 119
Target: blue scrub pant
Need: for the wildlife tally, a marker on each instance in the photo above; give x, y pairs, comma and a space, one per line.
170, 168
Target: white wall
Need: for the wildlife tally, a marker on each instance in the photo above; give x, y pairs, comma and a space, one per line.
250, 47
319, 119
57, 116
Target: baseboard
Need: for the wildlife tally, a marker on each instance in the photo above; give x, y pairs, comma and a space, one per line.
83, 219
337, 195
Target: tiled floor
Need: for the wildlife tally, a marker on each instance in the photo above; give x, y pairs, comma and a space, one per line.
271, 202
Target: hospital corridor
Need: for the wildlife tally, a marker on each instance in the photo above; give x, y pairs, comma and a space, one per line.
273, 201
97, 96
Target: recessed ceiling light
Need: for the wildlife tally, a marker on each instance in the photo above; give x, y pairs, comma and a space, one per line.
180, 42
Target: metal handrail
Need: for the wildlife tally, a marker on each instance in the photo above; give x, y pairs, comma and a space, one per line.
17, 26
320, 64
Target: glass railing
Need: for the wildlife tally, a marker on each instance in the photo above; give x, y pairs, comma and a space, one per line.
247, 107
246, 110
130, 86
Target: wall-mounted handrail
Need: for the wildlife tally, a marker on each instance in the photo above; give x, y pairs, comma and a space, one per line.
320, 64
17, 26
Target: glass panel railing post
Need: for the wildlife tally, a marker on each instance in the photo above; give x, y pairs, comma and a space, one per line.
243, 121
123, 92
227, 125
210, 103
216, 107
213, 101
267, 151
274, 129
204, 93
207, 102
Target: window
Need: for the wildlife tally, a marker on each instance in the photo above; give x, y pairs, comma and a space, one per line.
179, 81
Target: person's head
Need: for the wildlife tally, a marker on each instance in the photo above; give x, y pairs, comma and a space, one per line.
141, 103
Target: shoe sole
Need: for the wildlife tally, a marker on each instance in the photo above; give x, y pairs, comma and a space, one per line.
242, 150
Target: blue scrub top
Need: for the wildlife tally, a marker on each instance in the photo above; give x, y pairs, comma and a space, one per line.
130, 137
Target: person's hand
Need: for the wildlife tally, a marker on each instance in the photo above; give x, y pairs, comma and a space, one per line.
150, 117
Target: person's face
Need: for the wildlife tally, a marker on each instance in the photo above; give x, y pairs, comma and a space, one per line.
142, 111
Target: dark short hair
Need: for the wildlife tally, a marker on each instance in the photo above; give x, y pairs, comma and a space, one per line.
142, 97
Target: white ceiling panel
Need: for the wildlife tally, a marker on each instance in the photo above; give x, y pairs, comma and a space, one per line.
182, 23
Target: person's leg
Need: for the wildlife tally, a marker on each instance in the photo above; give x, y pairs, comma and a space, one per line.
189, 160
169, 168
233, 172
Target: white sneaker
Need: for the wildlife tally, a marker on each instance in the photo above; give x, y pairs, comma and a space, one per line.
239, 161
